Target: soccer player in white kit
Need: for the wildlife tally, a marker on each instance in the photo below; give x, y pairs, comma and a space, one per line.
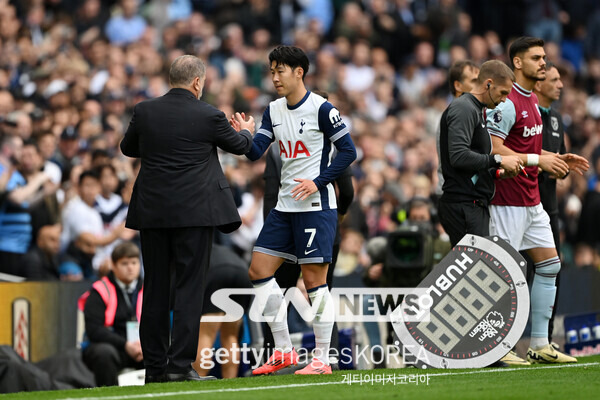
301, 228
516, 213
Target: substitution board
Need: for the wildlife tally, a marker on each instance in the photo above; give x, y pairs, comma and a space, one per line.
469, 311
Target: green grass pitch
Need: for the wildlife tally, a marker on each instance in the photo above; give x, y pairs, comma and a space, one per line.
572, 381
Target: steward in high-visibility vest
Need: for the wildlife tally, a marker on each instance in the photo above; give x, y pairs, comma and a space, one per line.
111, 310
108, 292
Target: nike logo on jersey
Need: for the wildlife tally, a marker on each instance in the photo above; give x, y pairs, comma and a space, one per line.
275, 125
308, 252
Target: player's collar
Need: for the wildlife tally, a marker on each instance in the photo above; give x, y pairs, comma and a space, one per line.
523, 92
300, 102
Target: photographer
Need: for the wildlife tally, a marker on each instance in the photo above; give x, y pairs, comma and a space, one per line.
418, 225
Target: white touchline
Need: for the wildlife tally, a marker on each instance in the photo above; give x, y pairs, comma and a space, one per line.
428, 371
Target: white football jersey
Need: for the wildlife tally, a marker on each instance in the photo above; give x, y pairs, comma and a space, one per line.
304, 135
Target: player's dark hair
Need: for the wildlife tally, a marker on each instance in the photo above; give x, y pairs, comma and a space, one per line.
457, 73
125, 250
495, 70
290, 56
521, 45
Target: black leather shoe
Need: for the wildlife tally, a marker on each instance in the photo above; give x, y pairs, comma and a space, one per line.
156, 378
188, 376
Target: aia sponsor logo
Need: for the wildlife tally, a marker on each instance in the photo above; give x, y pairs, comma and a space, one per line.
534, 130
293, 150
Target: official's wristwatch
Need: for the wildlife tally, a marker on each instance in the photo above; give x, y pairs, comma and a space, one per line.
498, 159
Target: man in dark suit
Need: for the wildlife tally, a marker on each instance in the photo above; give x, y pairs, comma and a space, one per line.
179, 196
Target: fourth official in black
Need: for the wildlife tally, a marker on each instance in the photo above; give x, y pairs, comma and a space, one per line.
468, 167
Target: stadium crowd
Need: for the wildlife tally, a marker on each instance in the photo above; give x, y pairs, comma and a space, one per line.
71, 72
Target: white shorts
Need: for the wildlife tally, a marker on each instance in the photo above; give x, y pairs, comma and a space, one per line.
522, 227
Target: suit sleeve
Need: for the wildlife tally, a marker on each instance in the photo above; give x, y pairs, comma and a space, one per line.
227, 138
331, 124
130, 145
94, 322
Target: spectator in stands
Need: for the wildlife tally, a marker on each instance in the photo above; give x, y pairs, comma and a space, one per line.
76, 260
112, 311
68, 147
80, 216
42, 204
18, 192
41, 261
109, 204
126, 27
47, 144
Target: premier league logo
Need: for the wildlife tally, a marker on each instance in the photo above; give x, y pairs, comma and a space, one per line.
474, 309
498, 116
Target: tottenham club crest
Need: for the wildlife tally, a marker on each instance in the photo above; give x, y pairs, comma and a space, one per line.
473, 310
554, 123
498, 116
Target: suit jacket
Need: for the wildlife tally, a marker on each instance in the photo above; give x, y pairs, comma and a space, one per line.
181, 183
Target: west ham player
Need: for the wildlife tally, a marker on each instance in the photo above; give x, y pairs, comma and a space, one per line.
301, 228
553, 140
516, 213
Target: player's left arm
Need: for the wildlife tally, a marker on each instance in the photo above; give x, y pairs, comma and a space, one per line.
332, 126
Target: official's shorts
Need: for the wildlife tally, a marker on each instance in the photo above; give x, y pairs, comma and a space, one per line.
302, 237
522, 227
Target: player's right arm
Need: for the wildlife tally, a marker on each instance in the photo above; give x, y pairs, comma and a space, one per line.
500, 120
263, 138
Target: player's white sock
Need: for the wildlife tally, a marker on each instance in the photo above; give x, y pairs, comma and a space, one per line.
270, 299
543, 293
323, 322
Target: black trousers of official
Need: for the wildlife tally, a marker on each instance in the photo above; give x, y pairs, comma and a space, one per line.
459, 219
187, 252
287, 276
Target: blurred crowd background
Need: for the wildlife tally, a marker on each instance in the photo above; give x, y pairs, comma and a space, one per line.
72, 70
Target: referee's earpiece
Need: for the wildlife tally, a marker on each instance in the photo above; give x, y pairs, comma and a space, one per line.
490, 94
